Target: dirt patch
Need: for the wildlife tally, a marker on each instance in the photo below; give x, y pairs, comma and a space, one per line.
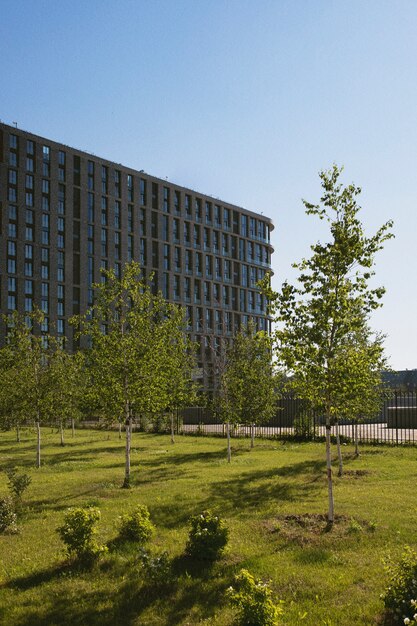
310, 528
357, 473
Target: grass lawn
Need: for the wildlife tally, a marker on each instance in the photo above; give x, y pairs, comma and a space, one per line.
272, 499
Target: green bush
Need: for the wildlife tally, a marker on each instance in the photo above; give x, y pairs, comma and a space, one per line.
253, 599
402, 586
208, 536
17, 483
157, 569
136, 526
78, 532
7, 515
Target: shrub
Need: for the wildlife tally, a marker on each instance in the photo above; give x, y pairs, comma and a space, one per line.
17, 483
136, 526
78, 532
7, 515
157, 568
253, 599
208, 536
402, 586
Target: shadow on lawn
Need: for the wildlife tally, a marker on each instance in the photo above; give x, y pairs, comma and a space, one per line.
201, 591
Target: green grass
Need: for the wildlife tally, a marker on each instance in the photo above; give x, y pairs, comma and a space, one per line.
273, 499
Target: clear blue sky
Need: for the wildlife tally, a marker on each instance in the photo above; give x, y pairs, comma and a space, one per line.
242, 100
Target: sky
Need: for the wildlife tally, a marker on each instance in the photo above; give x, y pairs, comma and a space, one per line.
243, 100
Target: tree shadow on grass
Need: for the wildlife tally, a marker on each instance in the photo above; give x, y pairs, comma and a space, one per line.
201, 592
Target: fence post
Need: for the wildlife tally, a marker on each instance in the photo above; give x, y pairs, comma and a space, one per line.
396, 417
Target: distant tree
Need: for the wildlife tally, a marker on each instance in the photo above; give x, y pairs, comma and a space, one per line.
127, 329
330, 303
28, 355
361, 392
248, 384
177, 355
67, 386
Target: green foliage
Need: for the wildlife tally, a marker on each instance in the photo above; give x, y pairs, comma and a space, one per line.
323, 317
304, 426
17, 483
7, 515
402, 585
207, 538
253, 599
157, 569
354, 527
247, 382
78, 532
140, 361
136, 526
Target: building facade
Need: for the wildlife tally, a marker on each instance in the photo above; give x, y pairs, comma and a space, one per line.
65, 214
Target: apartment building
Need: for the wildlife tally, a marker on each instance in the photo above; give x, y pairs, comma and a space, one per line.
66, 214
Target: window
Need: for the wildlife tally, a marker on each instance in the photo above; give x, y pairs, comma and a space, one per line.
217, 216
142, 191
117, 186
177, 259
198, 210
176, 230
177, 202
188, 206
187, 239
188, 262
13, 142
166, 199
130, 188
117, 214
167, 264
207, 298
46, 153
226, 219
208, 212
165, 227
30, 165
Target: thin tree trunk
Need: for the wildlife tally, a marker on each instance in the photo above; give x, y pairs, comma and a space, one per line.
38, 447
252, 437
120, 430
172, 428
61, 430
356, 440
72, 427
339, 451
17, 433
126, 483
229, 448
330, 515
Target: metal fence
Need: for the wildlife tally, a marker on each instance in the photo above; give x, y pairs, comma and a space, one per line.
395, 424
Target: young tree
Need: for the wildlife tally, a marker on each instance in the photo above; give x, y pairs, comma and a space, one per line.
361, 393
332, 300
248, 382
127, 328
29, 374
177, 354
67, 386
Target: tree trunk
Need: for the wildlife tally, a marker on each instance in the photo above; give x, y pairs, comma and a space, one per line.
61, 430
120, 430
172, 428
330, 515
356, 440
339, 451
126, 483
72, 427
229, 448
252, 436
38, 446
17, 433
